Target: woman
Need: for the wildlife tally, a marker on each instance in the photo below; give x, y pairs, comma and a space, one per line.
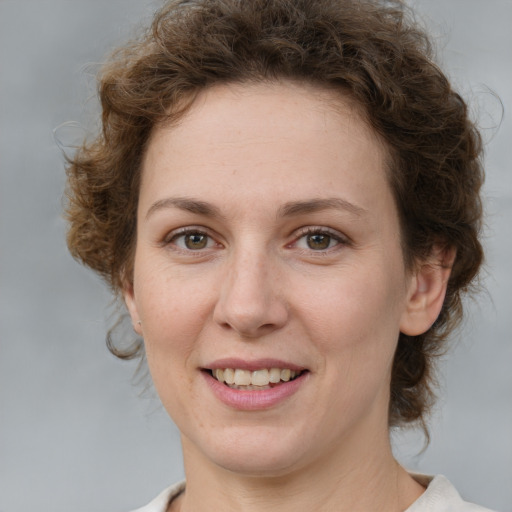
286, 195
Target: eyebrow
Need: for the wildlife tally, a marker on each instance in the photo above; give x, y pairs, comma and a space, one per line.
185, 203
316, 205
289, 209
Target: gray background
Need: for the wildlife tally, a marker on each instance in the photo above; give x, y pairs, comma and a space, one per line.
75, 434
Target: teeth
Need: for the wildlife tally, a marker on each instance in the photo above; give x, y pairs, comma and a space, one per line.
244, 379
260, 378
229, 376
285, 375
274, 375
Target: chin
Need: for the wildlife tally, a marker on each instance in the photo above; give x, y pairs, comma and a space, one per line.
256, 455
272, 466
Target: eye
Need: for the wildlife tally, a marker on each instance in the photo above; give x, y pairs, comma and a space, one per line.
317, 239
191, 240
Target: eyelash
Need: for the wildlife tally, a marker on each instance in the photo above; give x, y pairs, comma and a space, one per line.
172, 238
317, 230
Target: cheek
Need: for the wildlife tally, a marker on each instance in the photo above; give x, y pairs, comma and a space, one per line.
355, 321
171, 321
167, 297
360, 300
173, 310
356, 332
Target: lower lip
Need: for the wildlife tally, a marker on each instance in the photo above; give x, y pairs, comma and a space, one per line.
254, 400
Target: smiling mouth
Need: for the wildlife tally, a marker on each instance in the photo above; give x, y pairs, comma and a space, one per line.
236, 378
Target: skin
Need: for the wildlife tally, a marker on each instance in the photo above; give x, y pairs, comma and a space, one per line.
259, 287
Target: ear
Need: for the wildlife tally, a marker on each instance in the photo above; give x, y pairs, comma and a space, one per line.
427, 291
131, 305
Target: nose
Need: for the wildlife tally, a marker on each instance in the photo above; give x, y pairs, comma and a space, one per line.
250, 300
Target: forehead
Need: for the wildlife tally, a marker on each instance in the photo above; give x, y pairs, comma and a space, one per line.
243, 141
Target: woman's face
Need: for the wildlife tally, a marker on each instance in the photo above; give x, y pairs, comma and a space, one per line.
268, 242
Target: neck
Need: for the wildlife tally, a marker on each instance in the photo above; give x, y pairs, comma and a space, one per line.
355, 477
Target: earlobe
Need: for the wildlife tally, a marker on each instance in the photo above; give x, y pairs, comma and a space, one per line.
427, 292
129, 300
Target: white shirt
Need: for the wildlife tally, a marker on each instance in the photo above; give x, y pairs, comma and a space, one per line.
440, 496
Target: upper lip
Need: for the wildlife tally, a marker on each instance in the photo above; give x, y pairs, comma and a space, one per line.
252, 365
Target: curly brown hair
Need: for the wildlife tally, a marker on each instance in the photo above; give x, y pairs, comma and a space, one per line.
375, 51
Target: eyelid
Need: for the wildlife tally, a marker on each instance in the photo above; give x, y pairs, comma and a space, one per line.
313, 230
168, 239
187, 230
184, 231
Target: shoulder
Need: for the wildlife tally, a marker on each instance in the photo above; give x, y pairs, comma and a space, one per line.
161, 502
441, 496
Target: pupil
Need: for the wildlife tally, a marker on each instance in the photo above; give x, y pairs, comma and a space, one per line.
318, 241
195, 241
